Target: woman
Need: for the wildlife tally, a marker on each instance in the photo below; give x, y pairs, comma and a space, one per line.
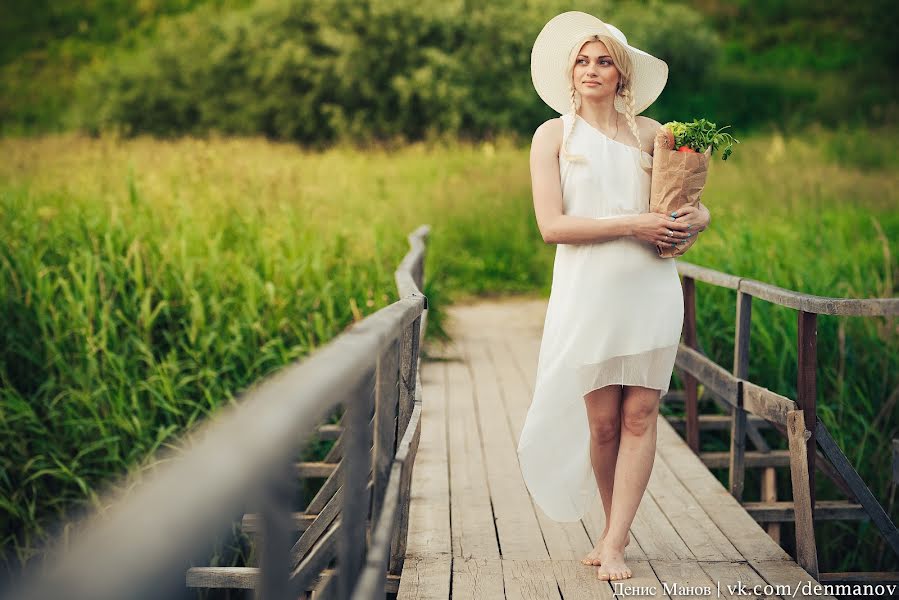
615, 312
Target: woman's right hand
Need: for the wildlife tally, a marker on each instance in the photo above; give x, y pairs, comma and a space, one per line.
655, 228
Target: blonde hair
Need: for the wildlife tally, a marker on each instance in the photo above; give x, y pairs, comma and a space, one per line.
625, 69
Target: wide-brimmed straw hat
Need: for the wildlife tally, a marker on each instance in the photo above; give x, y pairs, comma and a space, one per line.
552, 51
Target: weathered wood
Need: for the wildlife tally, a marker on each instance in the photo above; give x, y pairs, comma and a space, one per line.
400, 532
827, 510
684, 579
716, 422
729, 573
768, 495
774, 458
873, 577
714, 377
511, 359
251, 523
701, 535
736, 471
856, 307
473, 518
330, 431
806, 389
789, 576
356, 501
742, 530
859, 490
529, 579
315, 530
429, 514
371, 580
477, 578
513, 513
386, 398
326, 491
764, 403
707, 275
245, 578
276, 516
313, 469
309, 570
690, 383
806, 552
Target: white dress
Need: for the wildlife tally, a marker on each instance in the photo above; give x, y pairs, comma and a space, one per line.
614, 316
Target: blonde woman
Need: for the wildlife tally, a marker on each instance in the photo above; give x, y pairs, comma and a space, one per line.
616, 309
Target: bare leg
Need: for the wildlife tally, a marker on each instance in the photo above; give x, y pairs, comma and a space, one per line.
604, 414
636, 452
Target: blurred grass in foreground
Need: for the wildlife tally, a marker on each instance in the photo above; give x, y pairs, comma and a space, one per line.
147, 282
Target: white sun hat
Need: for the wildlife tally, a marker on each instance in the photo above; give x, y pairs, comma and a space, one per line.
552, 51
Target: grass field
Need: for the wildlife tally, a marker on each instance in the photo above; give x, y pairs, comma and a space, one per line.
146, 282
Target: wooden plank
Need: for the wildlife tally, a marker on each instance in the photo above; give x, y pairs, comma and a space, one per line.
730, 576
684, 579
429, 510
426, 577
471, 515
861, 307
516, 523
251, 523
581, 583
318, 527
657, 537
715, 422
774, 458
715, 378
564, 541
766, 404
723, 509
790, 577
806, 551
245, 578
477, 579
826, 510
700, 534
530, 579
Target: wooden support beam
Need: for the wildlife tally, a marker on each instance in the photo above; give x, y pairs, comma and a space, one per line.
828, 510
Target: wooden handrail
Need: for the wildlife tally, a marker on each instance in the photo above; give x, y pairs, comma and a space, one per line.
245, 454
746, 398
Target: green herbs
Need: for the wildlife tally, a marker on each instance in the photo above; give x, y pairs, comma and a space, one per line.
699, 135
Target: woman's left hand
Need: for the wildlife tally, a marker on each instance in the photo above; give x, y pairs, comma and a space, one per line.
697, 218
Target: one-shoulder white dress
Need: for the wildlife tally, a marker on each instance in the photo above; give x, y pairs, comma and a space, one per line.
614, 316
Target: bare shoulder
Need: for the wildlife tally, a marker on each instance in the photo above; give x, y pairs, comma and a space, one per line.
548, 137
648, 128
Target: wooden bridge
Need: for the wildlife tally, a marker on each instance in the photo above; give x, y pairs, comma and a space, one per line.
420, 496
474, 531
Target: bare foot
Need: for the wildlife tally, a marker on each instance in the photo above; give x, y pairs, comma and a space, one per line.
613, 566
593, 557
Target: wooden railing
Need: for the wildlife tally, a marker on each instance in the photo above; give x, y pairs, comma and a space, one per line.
246, 456
751, 406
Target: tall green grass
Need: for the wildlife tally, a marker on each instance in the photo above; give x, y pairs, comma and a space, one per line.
145, 283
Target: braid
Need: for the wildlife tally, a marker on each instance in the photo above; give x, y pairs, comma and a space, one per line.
565, 154
632, 122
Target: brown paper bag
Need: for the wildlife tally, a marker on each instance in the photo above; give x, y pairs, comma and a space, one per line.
677, 181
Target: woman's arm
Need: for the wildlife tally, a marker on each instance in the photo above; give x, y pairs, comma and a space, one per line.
555, 226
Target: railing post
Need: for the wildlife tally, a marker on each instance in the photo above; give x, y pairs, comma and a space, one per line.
806, 387
385, 423
738, 415
408, 374
690, 339
276, 530
355, 500
798, 436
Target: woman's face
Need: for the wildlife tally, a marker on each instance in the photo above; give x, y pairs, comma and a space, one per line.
595, 75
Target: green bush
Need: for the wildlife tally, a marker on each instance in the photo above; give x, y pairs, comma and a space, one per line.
318, 71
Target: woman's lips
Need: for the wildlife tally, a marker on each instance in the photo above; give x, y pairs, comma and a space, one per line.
591, 83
